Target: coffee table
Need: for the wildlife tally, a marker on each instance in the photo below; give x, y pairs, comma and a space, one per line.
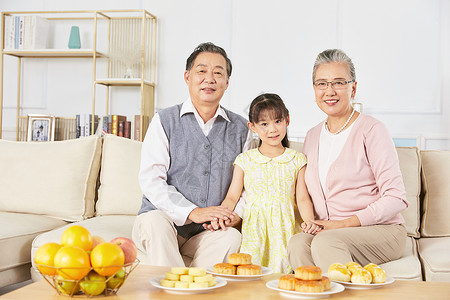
138, 287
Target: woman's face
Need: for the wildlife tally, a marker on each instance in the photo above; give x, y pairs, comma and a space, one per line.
334, 101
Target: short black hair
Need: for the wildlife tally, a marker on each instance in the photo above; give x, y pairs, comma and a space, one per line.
211, 48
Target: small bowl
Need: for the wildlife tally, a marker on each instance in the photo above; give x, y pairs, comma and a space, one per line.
70, 288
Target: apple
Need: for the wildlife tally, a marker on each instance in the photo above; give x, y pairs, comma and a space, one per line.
65, 286
97, 240
116, 280
93, 284
128, 247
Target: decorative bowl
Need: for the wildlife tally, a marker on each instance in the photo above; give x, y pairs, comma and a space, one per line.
92, 287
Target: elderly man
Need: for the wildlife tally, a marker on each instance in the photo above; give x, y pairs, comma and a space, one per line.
186, 169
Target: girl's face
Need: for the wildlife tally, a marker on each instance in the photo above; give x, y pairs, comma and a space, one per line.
270, 129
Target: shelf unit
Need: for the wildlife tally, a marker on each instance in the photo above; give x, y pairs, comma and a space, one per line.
127, 39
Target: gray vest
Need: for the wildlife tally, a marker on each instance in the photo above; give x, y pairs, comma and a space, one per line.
201, 167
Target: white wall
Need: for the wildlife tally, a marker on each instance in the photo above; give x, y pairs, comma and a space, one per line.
400, 49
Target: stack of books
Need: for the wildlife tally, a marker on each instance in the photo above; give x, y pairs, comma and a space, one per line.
119, 125
84, 125
25, 32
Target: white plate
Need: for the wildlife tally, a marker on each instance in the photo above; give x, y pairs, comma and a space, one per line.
335, 288
265, 271
362, 286
156, 282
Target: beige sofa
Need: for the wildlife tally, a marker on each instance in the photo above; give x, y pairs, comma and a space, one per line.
45, 187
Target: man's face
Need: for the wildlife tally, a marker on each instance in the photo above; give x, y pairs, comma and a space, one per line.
208, 79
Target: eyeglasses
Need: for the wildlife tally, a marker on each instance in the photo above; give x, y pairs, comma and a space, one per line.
335, 84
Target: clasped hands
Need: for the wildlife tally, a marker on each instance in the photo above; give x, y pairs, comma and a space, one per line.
315, 226
214, 217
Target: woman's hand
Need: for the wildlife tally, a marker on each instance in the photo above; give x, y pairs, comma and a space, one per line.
310, 227
336, 224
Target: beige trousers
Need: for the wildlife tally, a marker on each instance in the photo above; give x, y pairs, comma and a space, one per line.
155, 234
366, 244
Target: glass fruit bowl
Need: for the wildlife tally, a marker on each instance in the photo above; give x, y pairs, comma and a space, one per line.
91, 285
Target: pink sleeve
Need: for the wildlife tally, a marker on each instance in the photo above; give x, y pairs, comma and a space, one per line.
383, 159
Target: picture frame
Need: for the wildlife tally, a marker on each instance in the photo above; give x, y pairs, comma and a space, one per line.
40, 128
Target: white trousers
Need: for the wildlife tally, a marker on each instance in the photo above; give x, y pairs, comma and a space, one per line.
155, 234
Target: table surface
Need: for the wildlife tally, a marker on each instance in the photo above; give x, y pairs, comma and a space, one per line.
138, 287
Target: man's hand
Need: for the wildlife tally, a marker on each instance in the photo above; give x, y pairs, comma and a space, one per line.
212, 213
218, 223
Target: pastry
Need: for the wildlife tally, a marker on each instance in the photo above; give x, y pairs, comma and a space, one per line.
187, 278
339, 272
181, 284
205, 278
361, 275
287, 282
198, 285
225, 268
240, 259
179, 271
352, 266
195, 271
326, 283
308, 273
309, 286
248, 270
168, 283
172, 276
195, 278
378, 274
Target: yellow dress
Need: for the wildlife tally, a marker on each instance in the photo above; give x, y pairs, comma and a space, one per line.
271, 216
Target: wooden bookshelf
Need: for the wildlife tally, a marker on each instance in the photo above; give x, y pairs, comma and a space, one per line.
130, 54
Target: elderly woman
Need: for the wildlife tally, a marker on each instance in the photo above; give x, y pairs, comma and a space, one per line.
353, 178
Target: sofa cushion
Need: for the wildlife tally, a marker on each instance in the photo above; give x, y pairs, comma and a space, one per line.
50, 178
119, 191
409, 161
406, 267
16, 235
436, 202
435, 259
108, 227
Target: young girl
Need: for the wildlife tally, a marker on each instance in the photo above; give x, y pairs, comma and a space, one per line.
273, 177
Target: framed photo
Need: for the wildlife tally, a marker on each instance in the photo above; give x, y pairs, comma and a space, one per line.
41, 128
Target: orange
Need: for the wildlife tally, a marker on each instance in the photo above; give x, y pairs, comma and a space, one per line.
77, 236
107, 258
45, 256
72, 262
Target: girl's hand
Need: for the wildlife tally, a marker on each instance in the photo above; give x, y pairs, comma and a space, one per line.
310, 227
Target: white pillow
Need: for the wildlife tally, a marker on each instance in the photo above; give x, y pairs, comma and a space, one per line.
57, 179
119, 192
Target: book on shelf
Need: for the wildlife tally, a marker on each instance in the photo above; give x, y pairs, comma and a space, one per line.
115, 119
10, 32
25, 32
137, 127
127, 130
84, 125
121, 128
105, 125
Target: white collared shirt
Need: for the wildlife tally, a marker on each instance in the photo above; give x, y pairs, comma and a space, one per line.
155, 162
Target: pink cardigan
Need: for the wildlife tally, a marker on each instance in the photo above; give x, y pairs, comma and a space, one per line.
365, 180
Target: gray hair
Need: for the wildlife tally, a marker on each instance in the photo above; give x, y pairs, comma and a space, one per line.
211, 48
334, 55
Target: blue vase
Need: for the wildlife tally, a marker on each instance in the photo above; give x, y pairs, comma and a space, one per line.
74, 39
